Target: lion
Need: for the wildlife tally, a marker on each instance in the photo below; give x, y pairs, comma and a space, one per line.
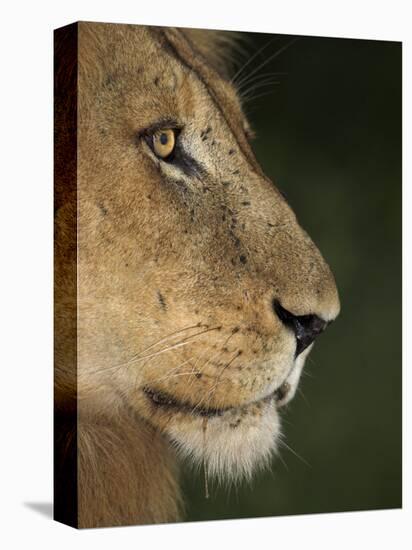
187, 296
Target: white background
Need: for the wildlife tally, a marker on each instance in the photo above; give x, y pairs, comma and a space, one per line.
26, 270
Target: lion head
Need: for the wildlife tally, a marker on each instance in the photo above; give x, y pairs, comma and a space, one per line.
199, 294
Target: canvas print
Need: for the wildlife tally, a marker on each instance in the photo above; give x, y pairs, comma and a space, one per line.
227, 240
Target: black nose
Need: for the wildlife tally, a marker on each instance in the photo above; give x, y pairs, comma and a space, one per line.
305, 327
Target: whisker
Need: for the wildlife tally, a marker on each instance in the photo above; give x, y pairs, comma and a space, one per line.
174, 369
311, 360
303, 397
184, 341
282, 442
253, 98
253, 87
156, 353
195, 370
212, 358
273, 56
307, 374
282, 461
175, 375
260, 80
252, 58
212, 391
138, 357
165, 338
250, 95
217, 355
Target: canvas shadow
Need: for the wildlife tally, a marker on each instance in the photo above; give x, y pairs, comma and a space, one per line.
43, 508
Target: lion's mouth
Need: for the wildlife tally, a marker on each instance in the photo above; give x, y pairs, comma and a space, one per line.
164, 400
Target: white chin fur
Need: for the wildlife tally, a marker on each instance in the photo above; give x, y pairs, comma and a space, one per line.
232, 446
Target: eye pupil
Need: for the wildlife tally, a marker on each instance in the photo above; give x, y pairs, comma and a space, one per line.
163, 142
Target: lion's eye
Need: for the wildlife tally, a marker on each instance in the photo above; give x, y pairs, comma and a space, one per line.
164, 141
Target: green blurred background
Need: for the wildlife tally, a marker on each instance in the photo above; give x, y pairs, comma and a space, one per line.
329, 135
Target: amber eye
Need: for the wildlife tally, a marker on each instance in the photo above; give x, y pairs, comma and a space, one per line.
164, 141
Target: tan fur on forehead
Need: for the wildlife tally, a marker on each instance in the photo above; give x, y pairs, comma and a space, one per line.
216, 46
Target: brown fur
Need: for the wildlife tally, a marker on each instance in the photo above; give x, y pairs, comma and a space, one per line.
118, 457
176, 272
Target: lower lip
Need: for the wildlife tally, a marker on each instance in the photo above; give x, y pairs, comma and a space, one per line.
164, 401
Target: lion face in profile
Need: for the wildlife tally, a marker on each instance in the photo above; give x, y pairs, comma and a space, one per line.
199, 293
